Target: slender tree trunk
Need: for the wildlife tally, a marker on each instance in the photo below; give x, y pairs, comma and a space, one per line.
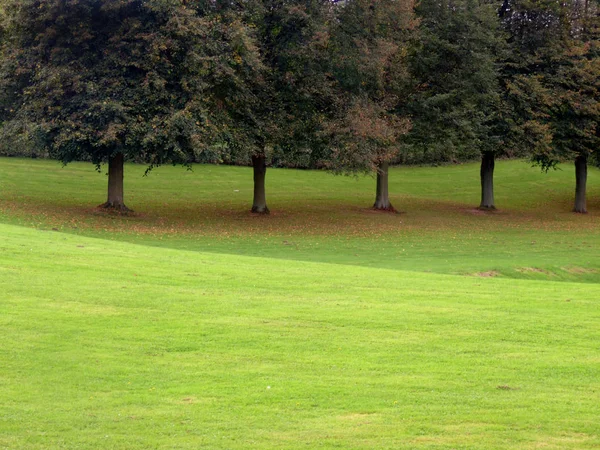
486, 175
580, 184
259, 203
115, 184
382, 198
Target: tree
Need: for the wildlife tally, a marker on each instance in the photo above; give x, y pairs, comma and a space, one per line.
556, 54
575, 106
457, 105
576, 113
293, 38
109, 81
368, 48
289, 38
277, 119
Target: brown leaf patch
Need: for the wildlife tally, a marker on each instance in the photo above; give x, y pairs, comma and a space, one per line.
579, 270
532, 270
489, 273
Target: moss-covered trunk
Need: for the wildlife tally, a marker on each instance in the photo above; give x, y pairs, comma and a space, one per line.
259, 203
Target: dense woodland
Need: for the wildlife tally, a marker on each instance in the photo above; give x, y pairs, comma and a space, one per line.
350, 86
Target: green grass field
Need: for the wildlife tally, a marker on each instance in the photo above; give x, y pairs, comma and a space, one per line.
194, 324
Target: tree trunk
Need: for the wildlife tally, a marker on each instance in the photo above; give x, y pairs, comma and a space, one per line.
259, 203
580, 184
486, 175
115, 184
382, 198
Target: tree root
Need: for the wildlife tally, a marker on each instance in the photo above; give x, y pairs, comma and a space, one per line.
260, 210
388, 208
116, 208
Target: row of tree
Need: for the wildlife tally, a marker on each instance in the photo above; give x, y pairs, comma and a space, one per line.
347, 85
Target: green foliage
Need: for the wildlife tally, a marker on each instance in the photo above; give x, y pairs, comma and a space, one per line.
154, 80
278, 118
307, 83
575, 109
457, 106
553, 76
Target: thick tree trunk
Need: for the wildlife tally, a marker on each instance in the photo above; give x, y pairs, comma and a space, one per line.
486, 175
580, 184
259, 203
382, 198
115, 184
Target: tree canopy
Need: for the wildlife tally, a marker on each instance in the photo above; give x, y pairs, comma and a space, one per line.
149, 80
349, 86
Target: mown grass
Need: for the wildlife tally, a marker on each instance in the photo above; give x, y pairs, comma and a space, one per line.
319, 217
193, 324
114, 345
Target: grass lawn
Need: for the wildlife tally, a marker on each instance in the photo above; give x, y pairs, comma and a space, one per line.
193, 324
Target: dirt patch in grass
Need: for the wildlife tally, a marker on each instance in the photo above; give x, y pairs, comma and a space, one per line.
579, 270
506, 387
481, 212
533, 270
373, 210
489, 273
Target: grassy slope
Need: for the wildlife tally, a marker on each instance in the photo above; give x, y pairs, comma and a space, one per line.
114, 345
159, 331
319, 217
